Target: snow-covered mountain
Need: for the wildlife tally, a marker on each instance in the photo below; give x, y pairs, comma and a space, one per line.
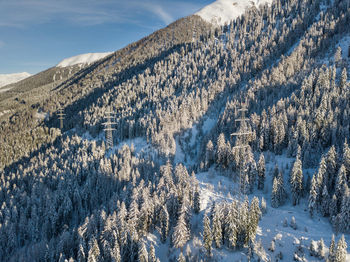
223, 11
85, 59
6, 79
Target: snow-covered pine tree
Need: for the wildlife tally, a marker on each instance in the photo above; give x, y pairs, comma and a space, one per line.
313, 196
181, 258
321, 249
207, 235
261, 172
164, 223
344, 223
341, 183
325, 202
278, 193
209, 154
217, 229
142, 253
181, 234
196, 201
340, 252
332, 250
94, 251
152, 254
296, 181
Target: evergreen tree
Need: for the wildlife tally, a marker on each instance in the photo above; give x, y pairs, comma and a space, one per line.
296, 181
344, 223
321, 249
278, 193
325, 202
340, 252
152, 254
217, 230
332, 250
196, 201
142, 253
94, 251
115, 255
333, 207
207, 235
313, 196
181, 234
261, 172
181, 258
164, 223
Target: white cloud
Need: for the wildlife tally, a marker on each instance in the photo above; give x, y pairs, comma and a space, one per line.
22, 13
160, 12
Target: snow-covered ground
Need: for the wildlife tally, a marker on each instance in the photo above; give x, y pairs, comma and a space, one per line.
223, 11
216, 188
85, 59
345, 46
6, 79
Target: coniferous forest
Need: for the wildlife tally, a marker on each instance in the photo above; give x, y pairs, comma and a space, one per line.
188, 177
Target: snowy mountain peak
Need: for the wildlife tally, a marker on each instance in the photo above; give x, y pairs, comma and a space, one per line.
6, 79
223, 11
83, 59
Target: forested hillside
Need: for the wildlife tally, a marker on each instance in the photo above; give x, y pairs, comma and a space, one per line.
176, 97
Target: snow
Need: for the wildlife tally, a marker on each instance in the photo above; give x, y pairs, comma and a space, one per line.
6, 79
214, 187
85, 59
345, 46
223, 11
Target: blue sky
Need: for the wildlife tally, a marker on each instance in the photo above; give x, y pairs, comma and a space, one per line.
38, 34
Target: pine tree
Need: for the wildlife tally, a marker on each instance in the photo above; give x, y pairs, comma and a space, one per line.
181, 234
278, 192
340, 183
332, 250
346, 159
209, 154
152, 254
321, 249
254, 217
217, 230
196, 201
142, 253
340, 252
94, 251
164, 223
325, 202
331, 163
296, 181
293, 223
115, 255
207, 235
181, 258
261, 172
333, 207
313, 196
344, 222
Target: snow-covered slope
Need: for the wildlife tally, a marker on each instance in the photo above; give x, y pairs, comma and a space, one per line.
83, 59
6, 79
223, 11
